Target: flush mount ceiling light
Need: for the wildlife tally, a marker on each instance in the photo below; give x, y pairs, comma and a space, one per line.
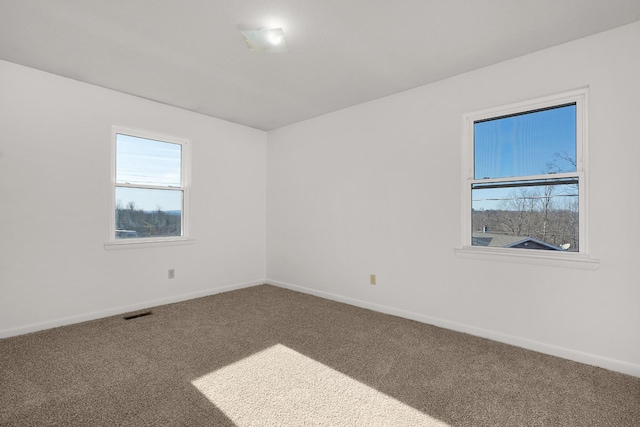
265, 40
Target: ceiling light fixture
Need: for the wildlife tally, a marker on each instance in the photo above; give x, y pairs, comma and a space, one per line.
265, 40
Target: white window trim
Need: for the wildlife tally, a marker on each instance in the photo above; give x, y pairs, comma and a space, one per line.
185, 170
579, 260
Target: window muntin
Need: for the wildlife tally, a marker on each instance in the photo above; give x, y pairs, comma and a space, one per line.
149, 187
525, 182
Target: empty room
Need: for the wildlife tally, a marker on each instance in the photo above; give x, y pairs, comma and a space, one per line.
319, 213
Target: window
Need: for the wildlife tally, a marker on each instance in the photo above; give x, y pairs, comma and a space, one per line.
150, 187
524, 178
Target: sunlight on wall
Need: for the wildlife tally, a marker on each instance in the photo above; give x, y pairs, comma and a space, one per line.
279, 385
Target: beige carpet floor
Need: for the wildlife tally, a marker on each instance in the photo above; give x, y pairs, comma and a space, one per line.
266, 356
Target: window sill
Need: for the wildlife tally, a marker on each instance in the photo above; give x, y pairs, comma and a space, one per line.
524, 256
132, 244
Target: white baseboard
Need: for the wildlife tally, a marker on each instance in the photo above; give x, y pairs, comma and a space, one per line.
553, 350
35, 327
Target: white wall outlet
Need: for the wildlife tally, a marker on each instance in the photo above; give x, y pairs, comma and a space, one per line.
172, 273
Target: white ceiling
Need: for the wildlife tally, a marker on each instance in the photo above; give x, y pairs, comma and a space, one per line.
190, 53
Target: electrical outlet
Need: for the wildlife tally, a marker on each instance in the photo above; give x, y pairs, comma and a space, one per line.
172, 273
372, 279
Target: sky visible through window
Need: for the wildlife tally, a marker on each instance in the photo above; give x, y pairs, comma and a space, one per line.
534, 143
141, 161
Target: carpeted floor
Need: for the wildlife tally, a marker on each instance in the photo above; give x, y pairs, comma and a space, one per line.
266, 356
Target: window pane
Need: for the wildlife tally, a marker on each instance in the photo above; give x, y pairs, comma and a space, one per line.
143, 161
533, 143
148, 213
531, 217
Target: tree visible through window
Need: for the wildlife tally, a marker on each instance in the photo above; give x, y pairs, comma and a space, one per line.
525, 177
149, 186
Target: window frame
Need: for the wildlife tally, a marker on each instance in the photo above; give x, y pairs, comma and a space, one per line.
185, 184
580, 259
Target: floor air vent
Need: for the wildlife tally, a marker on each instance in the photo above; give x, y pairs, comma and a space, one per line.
135, 316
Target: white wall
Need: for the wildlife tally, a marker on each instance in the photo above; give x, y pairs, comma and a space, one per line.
370, 189
55, 205
376, 189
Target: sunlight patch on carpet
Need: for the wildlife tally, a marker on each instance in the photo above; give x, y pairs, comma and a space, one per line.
279, 386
